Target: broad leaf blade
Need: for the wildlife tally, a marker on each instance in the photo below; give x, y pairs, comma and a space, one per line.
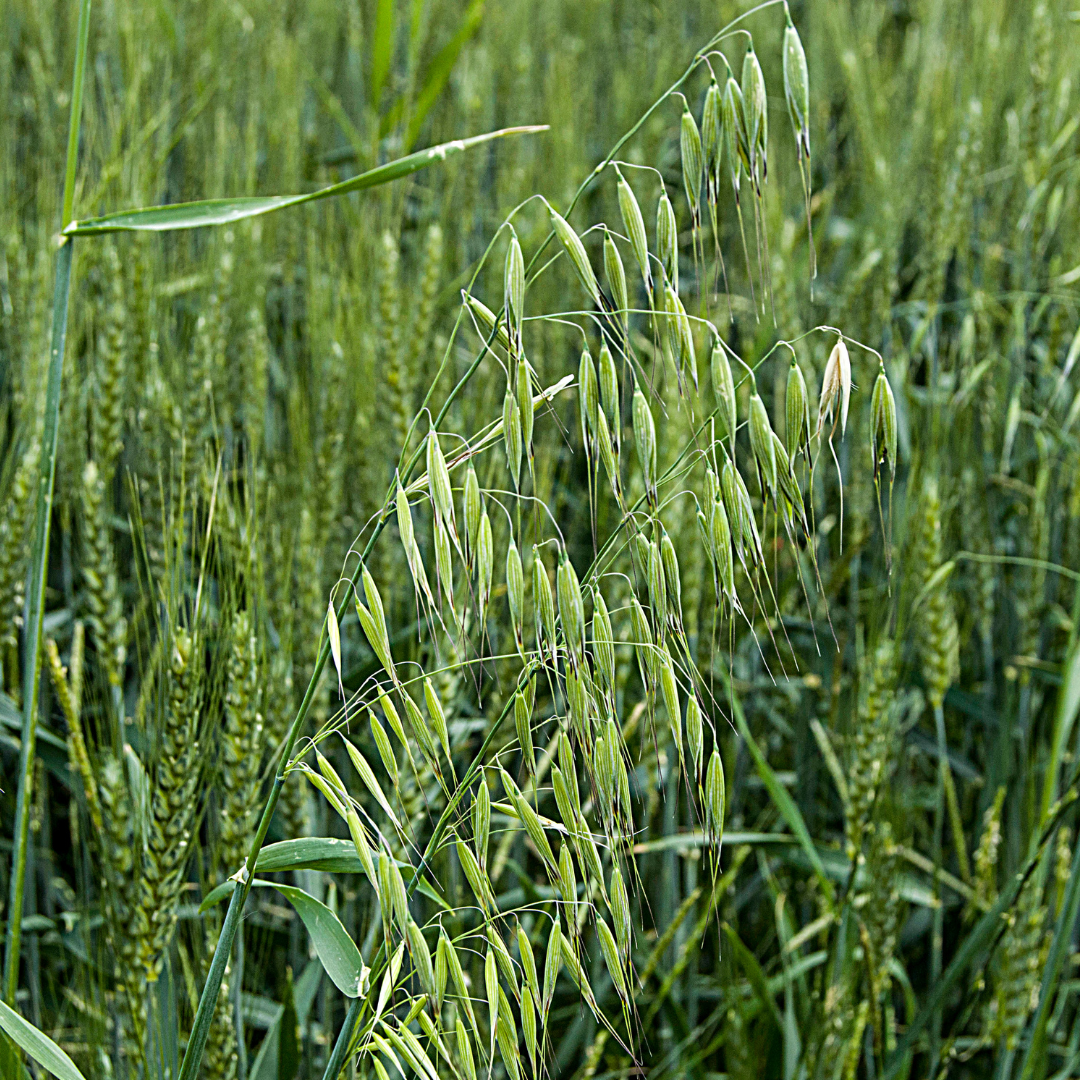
197, 215
337, 951
38, 1045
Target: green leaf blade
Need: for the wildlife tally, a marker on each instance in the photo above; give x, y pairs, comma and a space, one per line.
338, 952
209, 212
38, 1045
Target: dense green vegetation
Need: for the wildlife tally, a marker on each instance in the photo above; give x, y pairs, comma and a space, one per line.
659, 653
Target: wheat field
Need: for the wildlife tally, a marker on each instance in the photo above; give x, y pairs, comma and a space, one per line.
539, 539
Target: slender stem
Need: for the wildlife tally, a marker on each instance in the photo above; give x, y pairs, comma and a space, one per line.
341, 1047
39, 562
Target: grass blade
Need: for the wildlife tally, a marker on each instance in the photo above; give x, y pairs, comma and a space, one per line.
38, 1045
337, 951
197, 215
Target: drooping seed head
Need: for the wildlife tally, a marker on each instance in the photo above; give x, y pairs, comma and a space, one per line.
552, 964
695, 736
609, 385
616, 279
797, 87
670, 690
620, 912
712, 139
486, 318
514, 286
515, 588
571, 607
588, 396
756, 113
575, 251
710, 491
634, 224
523, 726
796, 413
735, 138
607, 451
720, 533
421, 955
438, 717
643, 642
439, 479
658, 598
883, 424
762, 444
404, 519
528, 961
715, 797
474, 507
693, 161
482, 822
603, 642
525, 403
667, 239
723, 388
671, 570
611, 957
512, 434
835, 383
543, 601
645, 440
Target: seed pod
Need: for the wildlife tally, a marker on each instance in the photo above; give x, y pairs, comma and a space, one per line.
476, 877
398, 897
438, 717
514, 287
523, 726
535, 830
693, 160
404, 518
528, 962
525, 404
528, 1026
609, 385
566, 761
785, 472
568, 884
491, 987
883, 424
712, 140
443, 948
508, 1040
670, 689
602, 776
729, 490
578, 699
620, 913
680, 335
439, 480
762, 445
552, 965
592, 858
363, 848
575, 251
568, 811
421, 955
482, 822
796, 413
756, 113
797, 87
571, 608
835, 383
671, 572
750, 537
485, 558
711, 491
634, 224
543, 602
657, 589
645, 441
382, 743
502, 956
603, 643
643, 642
588, 396
512, 434
386, 900
667, 239
616, 279
695, 737
607, 452
735, 142
515, 589
723, 389
444, 559
374, 625
611, 957
486, 317
465, 1054
715, 797
395, 722
474, 507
